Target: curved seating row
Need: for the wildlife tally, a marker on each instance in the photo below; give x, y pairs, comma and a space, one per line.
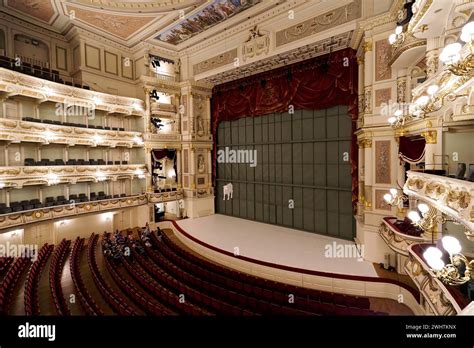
116, 302
31, 301
325, 303
87, 302
55, 275
147, 304
10, 282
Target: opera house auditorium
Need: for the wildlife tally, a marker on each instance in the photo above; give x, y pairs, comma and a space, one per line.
236, 158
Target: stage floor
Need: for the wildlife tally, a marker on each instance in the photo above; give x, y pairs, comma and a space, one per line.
276, 244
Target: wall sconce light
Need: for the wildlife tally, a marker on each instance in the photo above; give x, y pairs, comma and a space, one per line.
394, 198
458, 271
53, 179
452, 56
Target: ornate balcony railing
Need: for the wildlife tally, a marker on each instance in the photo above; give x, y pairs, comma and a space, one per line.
26, 131
63, 211
396, 239
166, 196
439, 299
15, 83
453, 197
18, 177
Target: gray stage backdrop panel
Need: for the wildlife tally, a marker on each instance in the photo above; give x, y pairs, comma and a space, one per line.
303, 175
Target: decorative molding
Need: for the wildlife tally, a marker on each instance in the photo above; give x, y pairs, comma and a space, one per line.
215, 62
319, 48
451, 196
257, 44
43, 214
325, 21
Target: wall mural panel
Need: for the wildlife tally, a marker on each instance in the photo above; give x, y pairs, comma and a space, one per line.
213, 14
383, 53
383, 164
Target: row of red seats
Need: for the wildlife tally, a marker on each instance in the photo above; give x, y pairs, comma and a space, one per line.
256, 304
148, 305
10, 282
269, 289
32, 306
116, 302
87, 302
197, 292
5, 263
164, 286
55, 273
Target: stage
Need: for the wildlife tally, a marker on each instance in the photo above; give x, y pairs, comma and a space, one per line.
279, 245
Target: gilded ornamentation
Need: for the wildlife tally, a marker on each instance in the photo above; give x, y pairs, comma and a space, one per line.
434, 190
257, 44
430, 136
415, 184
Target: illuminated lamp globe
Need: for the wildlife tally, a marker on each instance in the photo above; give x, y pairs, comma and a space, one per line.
392, 39
450, 53
423, 208
387, 197
398, 113
423, 100
432, 89
393, 191
392, 120
451, 245
467, 33
414, 216
398, 30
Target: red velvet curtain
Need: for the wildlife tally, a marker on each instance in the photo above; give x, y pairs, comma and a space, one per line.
412, 150
318, 83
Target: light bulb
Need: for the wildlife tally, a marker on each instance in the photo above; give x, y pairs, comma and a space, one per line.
2, 185
392, 39
393, 191
423, 100
398, 113
432, 252
424, 208
387, 197
398, 30
467, 33
432, 89
414, 216
392, 120
432, 256
435, 264
451, 245
450, 53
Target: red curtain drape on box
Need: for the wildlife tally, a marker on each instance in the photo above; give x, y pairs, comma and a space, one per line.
411, 150
318, 83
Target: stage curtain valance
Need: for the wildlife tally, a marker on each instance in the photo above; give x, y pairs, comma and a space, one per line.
318, 83
412, 150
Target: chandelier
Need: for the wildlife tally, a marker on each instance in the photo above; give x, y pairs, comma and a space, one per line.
458, 271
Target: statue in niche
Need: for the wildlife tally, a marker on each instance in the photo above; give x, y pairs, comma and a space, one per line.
201, 164
200, 126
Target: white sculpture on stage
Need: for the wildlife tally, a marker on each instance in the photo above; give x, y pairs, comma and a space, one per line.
228, 190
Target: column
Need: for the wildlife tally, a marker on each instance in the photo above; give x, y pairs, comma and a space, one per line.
7, 160
368, 170
360, 64
147, 111
368, 75
433, 150
178, 167
432, 57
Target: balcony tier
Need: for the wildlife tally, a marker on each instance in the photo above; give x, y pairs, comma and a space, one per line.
25, 131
